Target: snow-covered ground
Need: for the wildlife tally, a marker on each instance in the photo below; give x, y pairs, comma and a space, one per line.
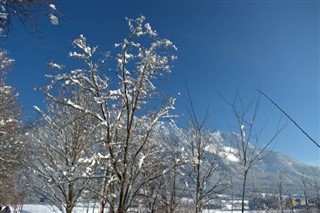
35, 208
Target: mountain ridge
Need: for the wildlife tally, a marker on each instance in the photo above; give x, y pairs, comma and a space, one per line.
266, 172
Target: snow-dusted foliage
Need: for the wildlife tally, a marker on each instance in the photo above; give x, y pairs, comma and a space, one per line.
5, 63
205, 171
63, 156
10, 135
27, 12
126, 107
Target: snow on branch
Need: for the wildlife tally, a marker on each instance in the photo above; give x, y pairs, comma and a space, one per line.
121, 101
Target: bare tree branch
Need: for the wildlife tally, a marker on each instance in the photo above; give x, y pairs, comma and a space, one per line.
291, 119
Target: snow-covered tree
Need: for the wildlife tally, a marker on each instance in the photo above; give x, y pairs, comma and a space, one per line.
63, 158
27, 12
205, 171
166, 192
128, 106
250, 149
281, 192
315, 187
10, 135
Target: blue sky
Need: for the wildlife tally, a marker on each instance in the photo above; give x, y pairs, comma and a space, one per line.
223, 46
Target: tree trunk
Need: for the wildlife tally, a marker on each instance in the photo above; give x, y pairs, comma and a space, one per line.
122, 197
198, 168
103, 198
243, 190
70, 198
173, 193
111, 209
198, 188
102, 205
122, 208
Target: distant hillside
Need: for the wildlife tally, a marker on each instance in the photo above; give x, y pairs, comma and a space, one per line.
266, 172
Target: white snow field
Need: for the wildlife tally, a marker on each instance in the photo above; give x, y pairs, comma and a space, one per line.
37, 208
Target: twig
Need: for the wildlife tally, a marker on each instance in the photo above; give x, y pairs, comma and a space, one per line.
293, 121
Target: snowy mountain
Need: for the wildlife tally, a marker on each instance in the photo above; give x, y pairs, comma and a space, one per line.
265, 174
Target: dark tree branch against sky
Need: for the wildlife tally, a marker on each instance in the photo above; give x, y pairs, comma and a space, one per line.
290, 118
27, 13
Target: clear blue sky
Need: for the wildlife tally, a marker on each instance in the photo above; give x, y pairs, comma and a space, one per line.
223, 46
